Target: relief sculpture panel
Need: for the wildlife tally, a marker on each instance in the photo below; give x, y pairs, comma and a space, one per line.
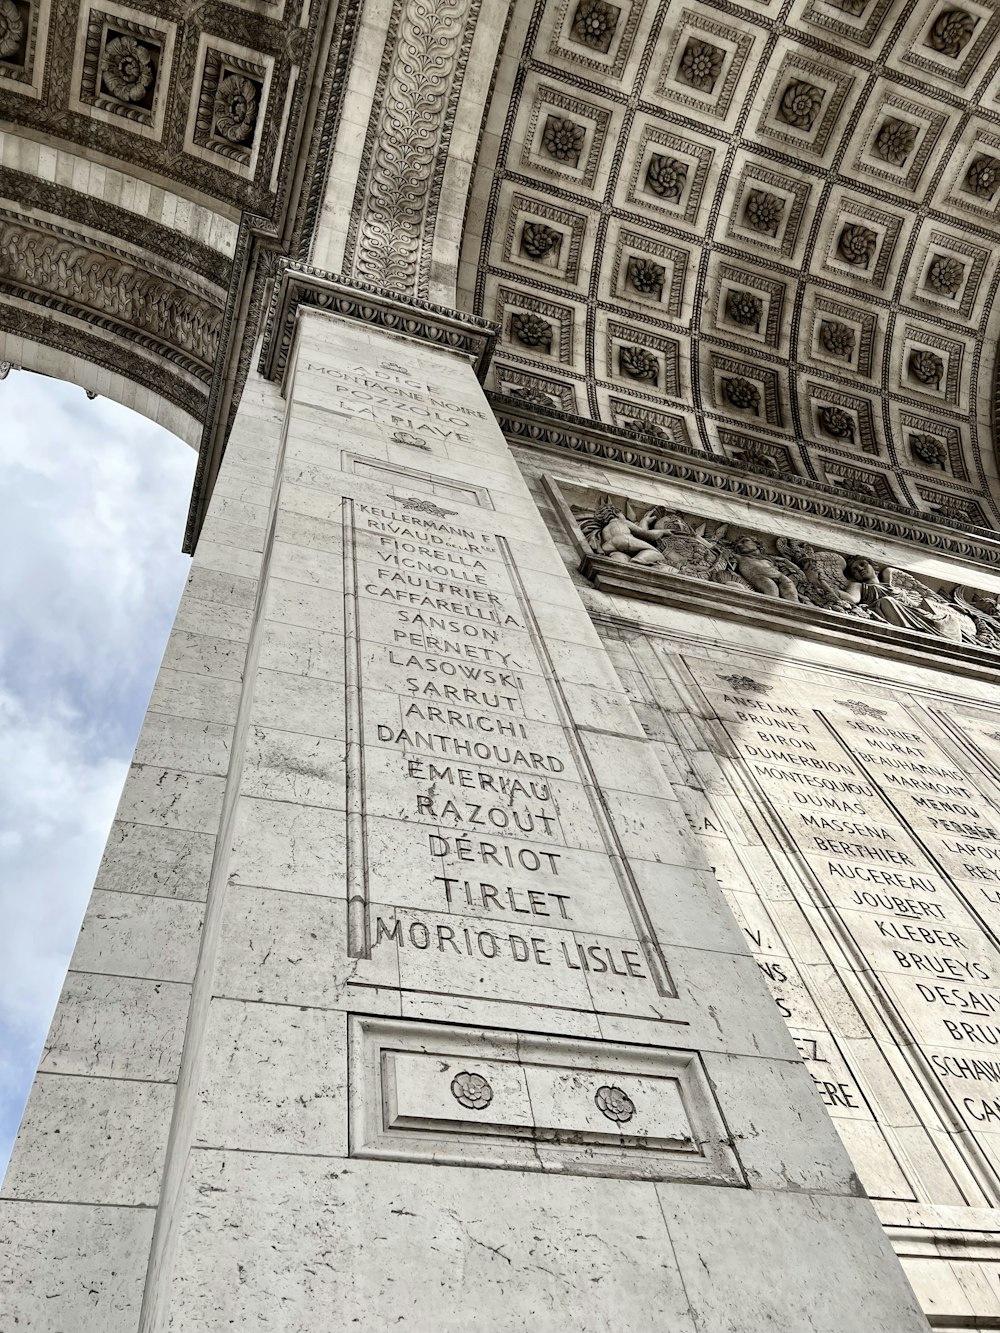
654, 542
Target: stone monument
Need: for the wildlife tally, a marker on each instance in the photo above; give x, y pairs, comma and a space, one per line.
558, 881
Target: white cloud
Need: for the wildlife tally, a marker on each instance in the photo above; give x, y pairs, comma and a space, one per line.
92, 506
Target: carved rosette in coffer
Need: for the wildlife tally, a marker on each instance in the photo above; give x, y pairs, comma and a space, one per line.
429, 1092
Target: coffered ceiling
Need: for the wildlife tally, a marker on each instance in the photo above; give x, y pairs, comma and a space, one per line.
765, 230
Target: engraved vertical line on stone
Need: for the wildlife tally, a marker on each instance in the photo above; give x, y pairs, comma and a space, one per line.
358, 928
615, 852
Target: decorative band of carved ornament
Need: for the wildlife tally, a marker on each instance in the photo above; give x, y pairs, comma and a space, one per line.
683, 462
298, 286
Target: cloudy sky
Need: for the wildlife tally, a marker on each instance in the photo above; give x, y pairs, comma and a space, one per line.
92, 506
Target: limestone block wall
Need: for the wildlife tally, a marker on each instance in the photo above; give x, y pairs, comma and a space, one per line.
848, 804
407, 997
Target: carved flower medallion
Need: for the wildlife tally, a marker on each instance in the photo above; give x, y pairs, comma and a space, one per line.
666, 176
926, 366
126, 69
929, 450
951, 32
530, 329
800, 104
856, 244
646, 276
742, 394
895, 141
11, 29
853, 7
836, 422
471, 1090
639, 364
763, 212
235, 108
701, 64
838, 339
594, 24
614, 1103
563, 139
946, 274
744, 308
983, 177
538, 239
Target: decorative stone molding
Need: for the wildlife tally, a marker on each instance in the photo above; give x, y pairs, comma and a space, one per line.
632, 451
113, 288
422, 71
297, 286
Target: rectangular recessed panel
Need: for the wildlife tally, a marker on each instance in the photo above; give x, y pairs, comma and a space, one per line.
436, 1092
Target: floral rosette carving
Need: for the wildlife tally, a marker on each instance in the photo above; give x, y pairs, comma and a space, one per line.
836, 422
928, 449
701, 64
530, 329
754, 456
951, 32
838, 339
538, 239
763, 212
646, 429
926, 367
235, 111
646, 276
614, 1103
742, 394
945, 274
983, 177
471, 1090
126, 69
744, 308
11, 29
563, 139
856, 245
594, 24
800, 104
639, 364
895, 141
531, 395
666, 176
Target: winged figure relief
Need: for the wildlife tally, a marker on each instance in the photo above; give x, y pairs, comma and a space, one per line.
983, 609
900, 599
793, 571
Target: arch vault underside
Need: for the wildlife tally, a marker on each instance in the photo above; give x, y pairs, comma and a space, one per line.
764, 234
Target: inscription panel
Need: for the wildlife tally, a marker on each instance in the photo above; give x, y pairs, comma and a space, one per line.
478, 847
882, 948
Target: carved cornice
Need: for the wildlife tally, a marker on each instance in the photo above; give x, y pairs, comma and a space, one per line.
805, 622
560, 433
297, 286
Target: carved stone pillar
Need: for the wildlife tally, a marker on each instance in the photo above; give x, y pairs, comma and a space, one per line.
414, 1001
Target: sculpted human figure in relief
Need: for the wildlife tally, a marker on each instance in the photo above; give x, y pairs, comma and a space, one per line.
900, 599
794, 572
764, 575
610, 533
